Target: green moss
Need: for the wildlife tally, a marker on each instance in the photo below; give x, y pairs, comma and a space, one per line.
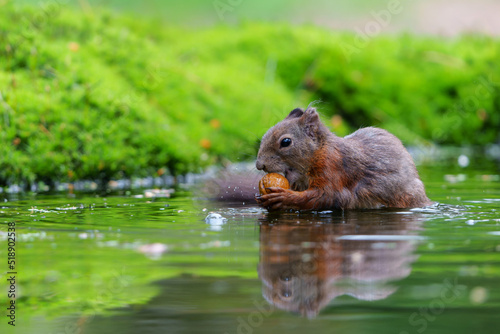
134, 96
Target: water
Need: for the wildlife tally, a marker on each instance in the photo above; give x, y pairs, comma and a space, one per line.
122, 264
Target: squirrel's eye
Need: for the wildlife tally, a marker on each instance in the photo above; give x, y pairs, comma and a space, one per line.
285, 142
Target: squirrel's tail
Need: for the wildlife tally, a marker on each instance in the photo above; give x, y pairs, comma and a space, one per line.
235, 183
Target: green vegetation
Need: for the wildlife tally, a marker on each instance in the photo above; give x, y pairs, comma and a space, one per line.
102, 95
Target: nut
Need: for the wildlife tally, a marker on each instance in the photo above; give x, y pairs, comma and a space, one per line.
272, 180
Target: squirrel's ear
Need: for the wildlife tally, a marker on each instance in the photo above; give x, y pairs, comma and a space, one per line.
310, 121
295, 113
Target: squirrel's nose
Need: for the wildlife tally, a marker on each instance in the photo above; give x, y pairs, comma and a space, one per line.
259, 165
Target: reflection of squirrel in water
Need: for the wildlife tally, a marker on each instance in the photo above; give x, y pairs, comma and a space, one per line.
304, 266
367, 169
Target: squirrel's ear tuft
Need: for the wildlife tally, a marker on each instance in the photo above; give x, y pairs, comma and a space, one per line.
311, 115
310, 121
295, 113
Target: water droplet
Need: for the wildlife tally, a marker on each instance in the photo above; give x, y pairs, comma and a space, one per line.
478, 295
463, 161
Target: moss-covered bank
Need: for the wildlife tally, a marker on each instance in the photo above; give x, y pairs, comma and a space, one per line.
103, 96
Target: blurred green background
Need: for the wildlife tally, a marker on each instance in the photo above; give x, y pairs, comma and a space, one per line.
122, 89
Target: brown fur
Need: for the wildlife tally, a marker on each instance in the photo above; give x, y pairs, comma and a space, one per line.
368, 169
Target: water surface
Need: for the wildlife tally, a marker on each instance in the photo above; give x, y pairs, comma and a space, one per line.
131, 264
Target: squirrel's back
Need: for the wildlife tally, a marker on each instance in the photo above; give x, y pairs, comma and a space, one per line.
389, 171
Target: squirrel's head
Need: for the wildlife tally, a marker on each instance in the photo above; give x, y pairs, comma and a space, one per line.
289, 147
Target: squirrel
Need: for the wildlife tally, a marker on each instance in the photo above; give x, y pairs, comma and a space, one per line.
367, 169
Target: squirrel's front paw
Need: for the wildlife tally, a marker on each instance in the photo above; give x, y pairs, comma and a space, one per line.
276, 199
